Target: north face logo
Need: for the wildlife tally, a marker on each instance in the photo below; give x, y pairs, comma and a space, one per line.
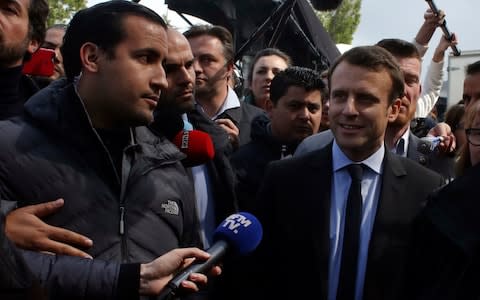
171, 207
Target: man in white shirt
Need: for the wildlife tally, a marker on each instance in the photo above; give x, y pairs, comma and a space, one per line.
212, 47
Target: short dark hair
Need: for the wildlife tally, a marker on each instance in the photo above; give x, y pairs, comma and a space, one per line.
37, 19
373, 58
218, 32
267, 52
295, 76
473, 68
400, 48
101, 24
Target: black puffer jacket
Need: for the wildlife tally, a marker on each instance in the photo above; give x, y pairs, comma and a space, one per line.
249, 161
27, 275
54, 152
16, 280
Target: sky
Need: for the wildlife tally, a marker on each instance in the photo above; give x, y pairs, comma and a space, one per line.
386, 18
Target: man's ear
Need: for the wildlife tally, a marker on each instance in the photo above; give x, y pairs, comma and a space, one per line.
394, 110
33, 46
229, 72
89, 55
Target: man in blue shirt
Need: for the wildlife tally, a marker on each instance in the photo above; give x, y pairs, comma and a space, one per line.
302, 203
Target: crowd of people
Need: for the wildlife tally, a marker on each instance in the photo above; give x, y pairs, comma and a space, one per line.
100, 201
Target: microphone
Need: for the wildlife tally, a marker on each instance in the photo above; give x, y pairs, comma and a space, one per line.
429, 144
239, 234
196, 144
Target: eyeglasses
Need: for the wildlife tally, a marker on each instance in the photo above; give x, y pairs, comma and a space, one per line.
473, 136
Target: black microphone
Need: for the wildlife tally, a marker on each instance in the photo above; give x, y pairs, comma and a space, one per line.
429, 144
239, 234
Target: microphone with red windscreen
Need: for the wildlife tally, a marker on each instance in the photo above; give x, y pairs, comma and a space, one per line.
196, 144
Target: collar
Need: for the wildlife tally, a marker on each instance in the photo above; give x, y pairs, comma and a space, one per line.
374, 161
231, 101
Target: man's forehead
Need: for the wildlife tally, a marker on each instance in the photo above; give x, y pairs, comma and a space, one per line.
410, 61
25, 4
205, 41
473, 77
299, 95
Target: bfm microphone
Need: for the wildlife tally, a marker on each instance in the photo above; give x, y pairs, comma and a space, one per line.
429, 144
197, 145
239, 234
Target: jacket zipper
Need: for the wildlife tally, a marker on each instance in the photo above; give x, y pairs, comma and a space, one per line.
122, 220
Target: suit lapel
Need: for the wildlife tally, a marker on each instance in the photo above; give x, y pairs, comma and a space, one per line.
390, 194
412, 152
321, 180
390, 202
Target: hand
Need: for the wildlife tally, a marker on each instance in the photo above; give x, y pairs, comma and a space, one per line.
448, 144
155, 275
231, 130
443, 46
434, 20
25, 228
430, 24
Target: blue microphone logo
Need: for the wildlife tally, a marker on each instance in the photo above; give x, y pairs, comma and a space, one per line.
235, 221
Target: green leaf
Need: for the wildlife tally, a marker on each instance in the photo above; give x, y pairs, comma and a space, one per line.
342, 23
61, 11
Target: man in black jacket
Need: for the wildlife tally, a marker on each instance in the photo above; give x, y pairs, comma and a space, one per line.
214, 179
81, 139
295, 112
33, 275
19, 38
212, 47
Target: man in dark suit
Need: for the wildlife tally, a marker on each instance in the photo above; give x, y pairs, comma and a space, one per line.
306, 217
213, 49
213, 180
399, 138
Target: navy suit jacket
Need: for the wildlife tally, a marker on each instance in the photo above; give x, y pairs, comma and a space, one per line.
294, 207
